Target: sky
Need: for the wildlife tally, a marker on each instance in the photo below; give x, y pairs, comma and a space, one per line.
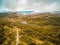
29, 5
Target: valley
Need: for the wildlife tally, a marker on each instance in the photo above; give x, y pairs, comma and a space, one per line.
33, 29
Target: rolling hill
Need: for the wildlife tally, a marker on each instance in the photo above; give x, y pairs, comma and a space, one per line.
32, 29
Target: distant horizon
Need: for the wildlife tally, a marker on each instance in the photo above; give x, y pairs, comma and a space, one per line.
31, 12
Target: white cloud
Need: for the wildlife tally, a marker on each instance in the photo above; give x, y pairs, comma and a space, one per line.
51, 7
35, 5
21, 5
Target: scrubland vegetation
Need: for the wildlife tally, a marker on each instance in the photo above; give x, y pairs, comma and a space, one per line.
38, 29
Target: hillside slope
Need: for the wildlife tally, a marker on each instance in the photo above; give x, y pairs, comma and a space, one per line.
38, 29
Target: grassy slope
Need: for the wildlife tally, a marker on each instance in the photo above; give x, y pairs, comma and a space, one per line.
39, 29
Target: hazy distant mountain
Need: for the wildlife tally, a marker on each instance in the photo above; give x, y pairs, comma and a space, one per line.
29, 12
55, 12
25, 12
19, 12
